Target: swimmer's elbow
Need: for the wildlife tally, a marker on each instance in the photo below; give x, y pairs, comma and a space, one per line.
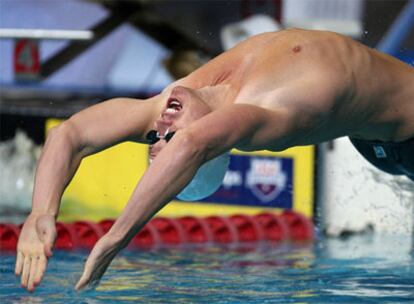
64, 137
190, 147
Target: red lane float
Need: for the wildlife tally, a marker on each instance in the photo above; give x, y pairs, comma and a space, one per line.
9, 235
300, 228
287, 226
147, 237
66, 237
170, 231
197, 230
106, 225
275, 229
87, 233
248, 230
223, 230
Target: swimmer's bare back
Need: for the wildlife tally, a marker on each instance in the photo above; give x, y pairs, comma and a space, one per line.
273, 91
329, 85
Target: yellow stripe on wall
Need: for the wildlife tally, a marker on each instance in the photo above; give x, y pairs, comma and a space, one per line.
104, 182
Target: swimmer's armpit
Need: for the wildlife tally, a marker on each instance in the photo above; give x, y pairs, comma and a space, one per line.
241, 126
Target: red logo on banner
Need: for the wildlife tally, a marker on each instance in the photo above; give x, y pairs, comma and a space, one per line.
26, 59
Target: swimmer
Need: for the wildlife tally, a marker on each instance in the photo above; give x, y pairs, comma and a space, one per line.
271, 92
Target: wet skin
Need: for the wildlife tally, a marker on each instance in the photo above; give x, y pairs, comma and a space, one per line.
273, 91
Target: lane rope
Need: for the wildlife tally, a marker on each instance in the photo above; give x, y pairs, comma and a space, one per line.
288, 226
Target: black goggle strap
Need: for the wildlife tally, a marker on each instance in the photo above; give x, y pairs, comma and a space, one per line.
168, 136
153, 136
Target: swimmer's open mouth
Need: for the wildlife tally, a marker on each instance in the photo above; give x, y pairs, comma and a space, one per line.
173, 106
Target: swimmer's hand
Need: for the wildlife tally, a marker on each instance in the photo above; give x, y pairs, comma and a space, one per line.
34, 248
98, 261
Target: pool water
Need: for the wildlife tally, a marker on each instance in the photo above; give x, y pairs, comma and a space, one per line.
360, 269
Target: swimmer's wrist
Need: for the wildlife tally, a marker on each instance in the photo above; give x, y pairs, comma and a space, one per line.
116, 238
36, 212
121, 233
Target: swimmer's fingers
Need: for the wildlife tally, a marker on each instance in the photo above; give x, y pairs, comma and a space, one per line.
19, 263
40, 271
32, 273
87, 272
90, 273
93, 272
98, 261
33, 269
84, 280
26, 271
89, 281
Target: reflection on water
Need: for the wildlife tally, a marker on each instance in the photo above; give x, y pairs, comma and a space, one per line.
358, 270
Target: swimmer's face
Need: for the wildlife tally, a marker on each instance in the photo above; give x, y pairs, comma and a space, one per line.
182, 107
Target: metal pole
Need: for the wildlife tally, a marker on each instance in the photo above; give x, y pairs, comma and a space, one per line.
76, 48
45, 34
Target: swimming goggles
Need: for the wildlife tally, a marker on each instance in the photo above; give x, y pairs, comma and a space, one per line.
154, 136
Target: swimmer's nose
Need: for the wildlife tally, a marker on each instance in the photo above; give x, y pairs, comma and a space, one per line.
163, 125
168, 117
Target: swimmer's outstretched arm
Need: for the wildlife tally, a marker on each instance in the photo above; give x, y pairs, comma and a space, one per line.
174, 167
85, 133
